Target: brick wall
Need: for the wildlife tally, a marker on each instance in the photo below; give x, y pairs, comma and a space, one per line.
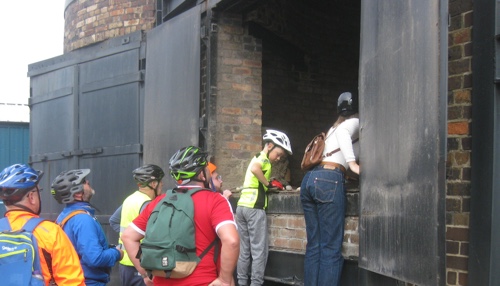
287, 231
91, 21
286, 224
459, 141
238, 99
267, 82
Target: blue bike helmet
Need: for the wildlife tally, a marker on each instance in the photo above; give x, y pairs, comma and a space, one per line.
16, 181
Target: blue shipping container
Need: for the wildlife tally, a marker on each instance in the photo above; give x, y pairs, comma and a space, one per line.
14, 143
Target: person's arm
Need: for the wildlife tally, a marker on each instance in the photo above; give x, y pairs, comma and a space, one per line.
89, 243
114, 220
132, 241
256, 170
346, 147
353, 166
229, 254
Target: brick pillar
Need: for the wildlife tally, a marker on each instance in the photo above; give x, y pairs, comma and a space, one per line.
91, 21
238, 99
459, 142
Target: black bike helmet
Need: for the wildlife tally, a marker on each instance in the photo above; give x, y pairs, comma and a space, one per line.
67, 184
148, 173
346, 105
16, 181
187, 162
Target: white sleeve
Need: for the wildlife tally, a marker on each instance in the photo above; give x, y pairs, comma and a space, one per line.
345, 133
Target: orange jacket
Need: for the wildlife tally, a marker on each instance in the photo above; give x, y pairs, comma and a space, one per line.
66, 266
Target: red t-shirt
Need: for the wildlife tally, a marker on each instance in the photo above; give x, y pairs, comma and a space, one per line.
211, 211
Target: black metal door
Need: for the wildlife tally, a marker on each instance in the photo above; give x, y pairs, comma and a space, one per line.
171, 105
403, 93
86, 113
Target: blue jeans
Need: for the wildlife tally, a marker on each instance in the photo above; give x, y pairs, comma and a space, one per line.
322, 194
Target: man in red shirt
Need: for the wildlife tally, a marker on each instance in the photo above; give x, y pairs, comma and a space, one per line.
212, 215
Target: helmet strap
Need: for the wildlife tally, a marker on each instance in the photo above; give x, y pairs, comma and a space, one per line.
269, 151
206, 183
154, 189
40, 200
212, 186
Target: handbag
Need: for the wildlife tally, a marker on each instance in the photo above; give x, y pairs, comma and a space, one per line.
313, 155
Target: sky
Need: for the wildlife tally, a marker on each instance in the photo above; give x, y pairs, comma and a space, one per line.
32, 31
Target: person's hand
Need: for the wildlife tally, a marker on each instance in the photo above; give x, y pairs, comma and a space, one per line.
147, 280
219, 282
354, 167
121, 252
227, 194
275, 184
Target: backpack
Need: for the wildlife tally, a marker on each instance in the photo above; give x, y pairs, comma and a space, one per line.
19, 257
168, 249
70, 215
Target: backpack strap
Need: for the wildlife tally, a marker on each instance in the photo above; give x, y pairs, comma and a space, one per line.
70, 215
214, 243
4, 224
144, 205
190, 191
32, 223
30, 226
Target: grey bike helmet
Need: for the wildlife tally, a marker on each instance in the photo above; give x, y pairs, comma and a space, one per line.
148, 173
67, 184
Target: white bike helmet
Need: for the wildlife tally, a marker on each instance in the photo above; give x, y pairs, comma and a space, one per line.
279, 138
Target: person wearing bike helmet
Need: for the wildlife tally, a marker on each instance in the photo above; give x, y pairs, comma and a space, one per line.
78, 220
322, 194
20, 193
251, 212
216, 181
149, 181
213, 218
